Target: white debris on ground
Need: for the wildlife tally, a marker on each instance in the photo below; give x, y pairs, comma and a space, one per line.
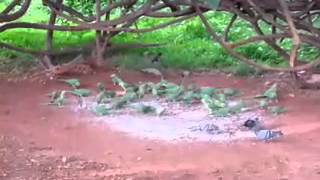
178, 122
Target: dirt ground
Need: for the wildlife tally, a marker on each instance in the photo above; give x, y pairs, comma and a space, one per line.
43, 142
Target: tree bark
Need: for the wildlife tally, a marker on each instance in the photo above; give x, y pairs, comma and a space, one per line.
47, 61
99, 41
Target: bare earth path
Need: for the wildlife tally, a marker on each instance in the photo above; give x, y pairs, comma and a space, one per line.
41, 142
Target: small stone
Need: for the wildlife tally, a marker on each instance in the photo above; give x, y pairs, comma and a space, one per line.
186, 73
33, 160
139, 158
315, 78
109, 153
7, 112
215, 171
64, 159
94, 174
253, 144
283, 178
291, 95
267, 83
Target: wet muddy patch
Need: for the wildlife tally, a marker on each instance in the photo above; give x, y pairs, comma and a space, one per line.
178, 123
170, 112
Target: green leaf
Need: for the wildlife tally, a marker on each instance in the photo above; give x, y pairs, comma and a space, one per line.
75, 83
81, 92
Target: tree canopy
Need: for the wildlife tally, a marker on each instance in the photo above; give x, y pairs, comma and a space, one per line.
295, 20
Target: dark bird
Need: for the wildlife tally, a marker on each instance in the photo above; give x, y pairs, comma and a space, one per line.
156, 59
250, 123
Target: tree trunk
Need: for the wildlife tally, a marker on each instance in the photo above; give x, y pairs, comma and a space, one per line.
47, 61
99, 41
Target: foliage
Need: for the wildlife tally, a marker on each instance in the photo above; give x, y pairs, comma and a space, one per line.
242, 69
189, 45
188, 38
84, 6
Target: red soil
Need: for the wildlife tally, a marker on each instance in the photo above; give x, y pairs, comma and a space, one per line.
42, 142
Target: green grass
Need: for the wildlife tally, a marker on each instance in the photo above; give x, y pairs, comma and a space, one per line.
188, 44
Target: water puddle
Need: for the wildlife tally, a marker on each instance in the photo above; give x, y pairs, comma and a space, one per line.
181, 124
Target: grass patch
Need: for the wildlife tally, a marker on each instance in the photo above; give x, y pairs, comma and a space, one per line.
188, 44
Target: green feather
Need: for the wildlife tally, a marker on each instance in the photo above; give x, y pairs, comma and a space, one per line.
81, 92
75, 83
101, 110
